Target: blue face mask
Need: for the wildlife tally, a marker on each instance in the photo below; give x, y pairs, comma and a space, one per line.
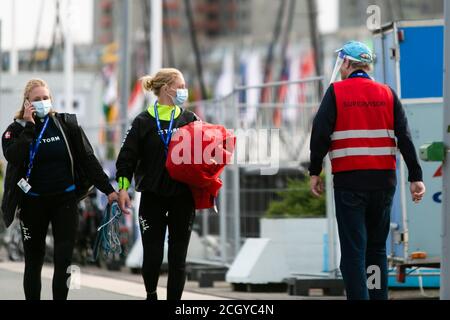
42, 107
180, 97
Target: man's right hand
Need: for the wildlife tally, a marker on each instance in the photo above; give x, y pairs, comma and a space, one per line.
124, 201
316, 185
417, 191
28, 113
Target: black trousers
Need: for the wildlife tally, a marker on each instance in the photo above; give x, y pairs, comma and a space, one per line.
155, 214
363, 219
35, 216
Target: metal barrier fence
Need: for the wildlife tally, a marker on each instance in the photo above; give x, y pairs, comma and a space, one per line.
272, 123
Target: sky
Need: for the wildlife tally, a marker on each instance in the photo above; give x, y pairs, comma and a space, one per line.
328, 15
27, 17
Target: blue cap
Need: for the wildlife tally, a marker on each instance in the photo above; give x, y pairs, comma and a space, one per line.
357, 51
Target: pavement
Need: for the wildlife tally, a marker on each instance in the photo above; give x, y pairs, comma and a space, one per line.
94, 283
11, 284
101, 284
91, 287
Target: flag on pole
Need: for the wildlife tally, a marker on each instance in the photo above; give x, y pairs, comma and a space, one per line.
282, 93
307, 69
243, 78
136, 102
290, 113
254, 77
110, 110
225, 82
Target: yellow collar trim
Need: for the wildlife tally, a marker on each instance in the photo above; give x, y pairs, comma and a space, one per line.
164, 111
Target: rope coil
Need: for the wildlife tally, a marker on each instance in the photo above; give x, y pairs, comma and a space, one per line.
108, 236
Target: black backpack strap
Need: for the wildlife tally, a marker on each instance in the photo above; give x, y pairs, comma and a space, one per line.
66, 138
71, 120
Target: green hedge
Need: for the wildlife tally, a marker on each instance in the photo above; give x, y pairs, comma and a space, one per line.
297, 201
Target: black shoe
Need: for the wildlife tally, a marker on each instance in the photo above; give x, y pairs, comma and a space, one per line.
152, 296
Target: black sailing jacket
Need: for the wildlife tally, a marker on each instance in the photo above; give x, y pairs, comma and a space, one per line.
142, 155
86, 168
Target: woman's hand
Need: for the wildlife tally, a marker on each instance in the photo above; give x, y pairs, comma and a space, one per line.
28, 113
124, 201
113, 196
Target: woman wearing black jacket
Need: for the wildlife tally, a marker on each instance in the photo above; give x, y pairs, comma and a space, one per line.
164, 202
50, 166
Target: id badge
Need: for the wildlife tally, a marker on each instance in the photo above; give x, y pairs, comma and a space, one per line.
24, 185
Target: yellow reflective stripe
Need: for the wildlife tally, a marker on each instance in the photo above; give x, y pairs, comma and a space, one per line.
351, 134
347, 152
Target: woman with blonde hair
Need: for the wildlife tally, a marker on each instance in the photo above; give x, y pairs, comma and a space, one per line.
164, 201
51, 166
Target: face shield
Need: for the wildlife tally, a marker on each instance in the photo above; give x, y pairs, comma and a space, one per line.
336, 75
337, 67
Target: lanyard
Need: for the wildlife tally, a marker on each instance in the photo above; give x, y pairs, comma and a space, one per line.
34, 149
165, 139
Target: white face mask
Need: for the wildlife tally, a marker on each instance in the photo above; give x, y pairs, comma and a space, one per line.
42, 107
180, 97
